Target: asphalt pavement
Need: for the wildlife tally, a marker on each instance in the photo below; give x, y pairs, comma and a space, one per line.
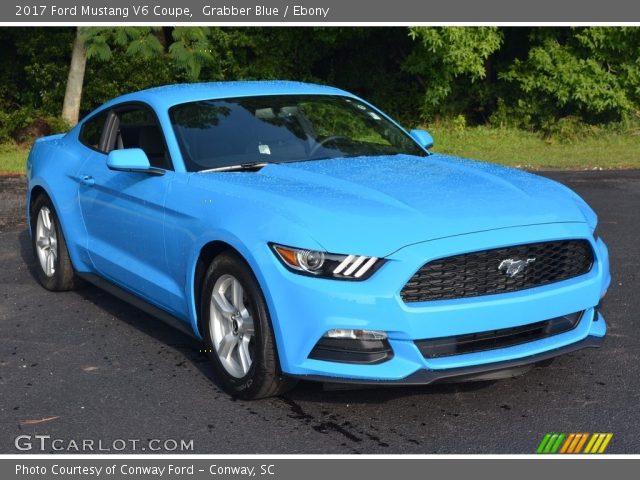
86, 366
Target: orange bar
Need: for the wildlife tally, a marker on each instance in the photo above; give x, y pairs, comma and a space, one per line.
566, 443
584, 439
574, 443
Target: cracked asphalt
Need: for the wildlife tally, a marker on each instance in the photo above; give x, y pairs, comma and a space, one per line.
85, 365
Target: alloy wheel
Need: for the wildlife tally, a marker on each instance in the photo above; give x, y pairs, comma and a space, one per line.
46, 242
231, 326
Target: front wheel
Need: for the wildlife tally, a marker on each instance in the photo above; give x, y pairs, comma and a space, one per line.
238, 333
54, 269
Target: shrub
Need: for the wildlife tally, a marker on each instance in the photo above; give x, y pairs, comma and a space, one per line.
25, 125
581, 74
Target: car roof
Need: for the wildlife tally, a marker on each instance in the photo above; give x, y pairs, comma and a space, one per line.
166, 96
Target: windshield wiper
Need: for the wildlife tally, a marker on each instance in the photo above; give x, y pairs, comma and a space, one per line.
241, 166
339, 157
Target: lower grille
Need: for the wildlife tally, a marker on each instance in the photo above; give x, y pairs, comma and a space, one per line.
499, 270
490, 340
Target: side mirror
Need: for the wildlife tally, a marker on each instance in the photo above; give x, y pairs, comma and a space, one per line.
424, 138
131, 160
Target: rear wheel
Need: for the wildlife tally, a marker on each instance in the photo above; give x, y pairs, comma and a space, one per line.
54, 269
238, 333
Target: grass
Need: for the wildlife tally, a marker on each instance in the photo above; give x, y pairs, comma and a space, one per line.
608, 150
13, 159
517, 148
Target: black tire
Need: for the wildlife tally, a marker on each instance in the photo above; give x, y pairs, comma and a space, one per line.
264, 377
64, 276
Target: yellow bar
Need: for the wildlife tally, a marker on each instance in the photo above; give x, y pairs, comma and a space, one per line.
566, 443
596, 445
574, 443
584, 439
592, 442
605, 443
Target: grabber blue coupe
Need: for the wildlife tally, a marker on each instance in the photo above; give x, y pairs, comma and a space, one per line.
301, 233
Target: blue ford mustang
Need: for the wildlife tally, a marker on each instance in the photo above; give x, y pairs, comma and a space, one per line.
302, 233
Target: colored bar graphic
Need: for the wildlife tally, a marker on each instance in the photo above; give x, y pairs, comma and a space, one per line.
573, 443
556, 445
550, 443
543, 443
577, 437
605, 443
592, 442
567, 442
581, 442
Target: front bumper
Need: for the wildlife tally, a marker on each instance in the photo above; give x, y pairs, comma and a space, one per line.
304, 308
490, 371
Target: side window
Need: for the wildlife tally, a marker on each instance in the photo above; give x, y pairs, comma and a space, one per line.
91, 131
137, 127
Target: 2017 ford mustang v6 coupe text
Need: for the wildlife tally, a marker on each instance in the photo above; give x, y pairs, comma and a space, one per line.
302, 233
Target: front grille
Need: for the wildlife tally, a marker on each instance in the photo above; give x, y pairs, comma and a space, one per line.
489, 340
478, 273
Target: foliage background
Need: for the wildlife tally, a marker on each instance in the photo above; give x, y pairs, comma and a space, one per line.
557, 81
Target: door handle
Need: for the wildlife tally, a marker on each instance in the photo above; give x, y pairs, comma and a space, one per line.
87, 180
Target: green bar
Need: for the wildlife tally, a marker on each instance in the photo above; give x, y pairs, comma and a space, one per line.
558, 443
550, 443
543, 443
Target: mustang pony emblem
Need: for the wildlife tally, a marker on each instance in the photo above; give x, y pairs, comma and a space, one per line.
513, 266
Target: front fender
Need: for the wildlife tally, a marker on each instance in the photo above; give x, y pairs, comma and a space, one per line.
55, 171
255, 256
196, 215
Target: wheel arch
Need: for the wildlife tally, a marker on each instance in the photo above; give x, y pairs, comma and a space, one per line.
73, 230
207, 253
35, 192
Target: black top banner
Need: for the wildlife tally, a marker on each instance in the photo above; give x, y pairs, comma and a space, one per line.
319, 11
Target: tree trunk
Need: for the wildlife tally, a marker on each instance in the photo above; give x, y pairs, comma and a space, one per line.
73, 93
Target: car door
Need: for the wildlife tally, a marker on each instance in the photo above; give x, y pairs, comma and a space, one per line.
123, 211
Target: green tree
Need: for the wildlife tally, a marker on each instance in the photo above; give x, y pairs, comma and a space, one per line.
75, 79
96, 43
531, 77
190, 49
591, 74
450, 62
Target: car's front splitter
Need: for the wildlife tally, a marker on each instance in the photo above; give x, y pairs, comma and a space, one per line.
490, 371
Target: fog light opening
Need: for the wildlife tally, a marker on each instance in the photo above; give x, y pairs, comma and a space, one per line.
356, 334
344, 345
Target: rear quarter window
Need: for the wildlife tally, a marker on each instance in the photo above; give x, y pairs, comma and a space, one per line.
91, 131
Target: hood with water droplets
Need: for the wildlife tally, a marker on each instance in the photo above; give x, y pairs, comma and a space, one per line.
376, 205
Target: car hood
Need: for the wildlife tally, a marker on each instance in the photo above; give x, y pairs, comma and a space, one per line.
376, 205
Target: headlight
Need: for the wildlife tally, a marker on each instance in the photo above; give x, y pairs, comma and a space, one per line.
326, 265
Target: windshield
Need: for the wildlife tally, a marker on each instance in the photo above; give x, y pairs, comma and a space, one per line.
283, 128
